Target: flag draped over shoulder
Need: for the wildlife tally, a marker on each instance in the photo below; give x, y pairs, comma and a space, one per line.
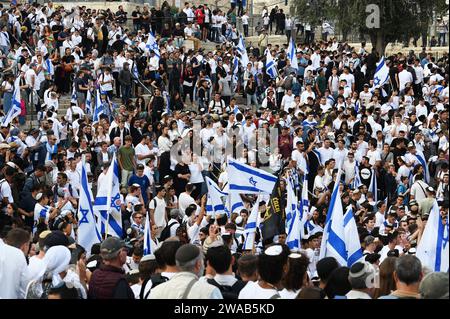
274, 218
433, 250
88, 233
149, 244
15, 109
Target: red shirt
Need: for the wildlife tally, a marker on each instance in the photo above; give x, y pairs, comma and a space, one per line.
200, 16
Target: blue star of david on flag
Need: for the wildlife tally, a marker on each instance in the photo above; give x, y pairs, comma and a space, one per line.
83, 219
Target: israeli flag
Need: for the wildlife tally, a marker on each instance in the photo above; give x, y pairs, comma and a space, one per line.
73, 98
292, 54
331, 100
243, 52
98, 110
250, 227
235, 72
235, 201
215, 204
357, 179
15, 109
271, 68
421, 158
373, 186
88, 102
152, 45
88, 233
49, 66
108, 201
351, 236
294, 229
333, 240
432, 249
149, 244
304, 207
381, 75
246, 179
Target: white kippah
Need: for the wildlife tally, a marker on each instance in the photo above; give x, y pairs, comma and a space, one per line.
148, 257
274, 250
295, 255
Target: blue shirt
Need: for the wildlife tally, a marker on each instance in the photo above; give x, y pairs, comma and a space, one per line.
143, 182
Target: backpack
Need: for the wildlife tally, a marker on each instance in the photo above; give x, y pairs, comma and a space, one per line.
229, 292
158, 279
166, 231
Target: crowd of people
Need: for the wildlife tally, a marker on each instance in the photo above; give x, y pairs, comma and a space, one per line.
327, 113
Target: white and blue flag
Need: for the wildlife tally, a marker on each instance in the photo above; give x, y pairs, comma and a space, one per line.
88, 102
354, 252
294, 224
373, 185
333, 240
73, 97
271, 68
215, 204
15, 109
88, 233
98, 110
357, 179
432, 250
421, 158
149, 244
243, 52
108, 201
49, 66
381, 75
235, 72
250, 227
245, 179
152, 45
292, 54
235, 202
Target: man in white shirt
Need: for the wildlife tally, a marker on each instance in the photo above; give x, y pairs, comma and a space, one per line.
13, 272
404, 77
287, 100
185, 199
157, 208
142, 150
189, 12
326, 152
298, 155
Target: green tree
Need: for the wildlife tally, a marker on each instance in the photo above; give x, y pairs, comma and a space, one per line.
399, 20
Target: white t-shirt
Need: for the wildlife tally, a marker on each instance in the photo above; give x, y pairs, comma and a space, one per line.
253, 290
184, 201
5, 191
160, 211
105, 78
142, 149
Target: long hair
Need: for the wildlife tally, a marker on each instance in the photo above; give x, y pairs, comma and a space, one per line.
387, 283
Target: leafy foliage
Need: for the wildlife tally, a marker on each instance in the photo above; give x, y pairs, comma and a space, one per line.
399, 19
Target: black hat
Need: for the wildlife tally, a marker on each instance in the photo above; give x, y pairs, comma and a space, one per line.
187, 253
111, 247
373, 258
325, 267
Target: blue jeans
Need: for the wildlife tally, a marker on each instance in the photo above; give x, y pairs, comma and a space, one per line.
251, 99
126, 93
